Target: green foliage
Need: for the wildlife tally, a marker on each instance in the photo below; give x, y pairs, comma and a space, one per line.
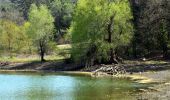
26, 41
41, 22
12, 37
62, 10
41, 27
8, 34
150, 17
10, 12
98, 27
90, 28
24, 5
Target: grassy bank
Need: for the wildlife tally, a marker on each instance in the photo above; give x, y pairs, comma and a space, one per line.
29, 58
61, 52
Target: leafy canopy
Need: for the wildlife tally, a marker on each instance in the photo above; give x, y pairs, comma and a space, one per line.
41, 28
41, 22
13, 37
90, 27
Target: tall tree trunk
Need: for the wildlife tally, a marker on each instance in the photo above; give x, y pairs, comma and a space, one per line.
164, 39
42, 57
134, 49
165, 50
135, 13
42, 51
110, 30
9, 48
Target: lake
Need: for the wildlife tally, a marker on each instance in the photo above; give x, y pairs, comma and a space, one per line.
38, 86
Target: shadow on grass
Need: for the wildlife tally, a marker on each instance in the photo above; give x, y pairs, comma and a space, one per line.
61, 65
147, 67
50, 65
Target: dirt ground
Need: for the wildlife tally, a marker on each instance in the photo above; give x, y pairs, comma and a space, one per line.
161, 90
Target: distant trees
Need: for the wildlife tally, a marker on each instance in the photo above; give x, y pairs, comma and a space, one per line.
99, 28
62, 10
151, 22
24, 5
18, 35
11, 36
8, 35
162, 21
41, 28
10, 12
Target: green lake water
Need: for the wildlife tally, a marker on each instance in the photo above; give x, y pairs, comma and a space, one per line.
21, 86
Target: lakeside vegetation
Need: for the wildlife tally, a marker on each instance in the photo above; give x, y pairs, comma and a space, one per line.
60, 54
87, 37
99, 31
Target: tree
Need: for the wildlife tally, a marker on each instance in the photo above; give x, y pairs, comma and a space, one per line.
24, 5
9, 35
10, 12
62, 10
24, 43
41, 27
136, 9
1, 35
151, 26
104, 26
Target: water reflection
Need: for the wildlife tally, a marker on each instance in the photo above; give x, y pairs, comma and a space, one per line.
61, 87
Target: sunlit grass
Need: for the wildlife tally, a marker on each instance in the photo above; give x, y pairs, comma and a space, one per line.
17, 59
64, 46
62, 53
30, 59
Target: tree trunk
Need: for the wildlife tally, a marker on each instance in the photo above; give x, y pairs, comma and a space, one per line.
135, 12
42, 51
9, 48
165, 50
42, 57
134, 49
110, 30
164, 39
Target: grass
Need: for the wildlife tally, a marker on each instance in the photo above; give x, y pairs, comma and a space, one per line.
30, 58
61, 54
17, 59
64, 46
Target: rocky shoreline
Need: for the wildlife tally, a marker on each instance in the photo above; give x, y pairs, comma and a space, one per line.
161, 89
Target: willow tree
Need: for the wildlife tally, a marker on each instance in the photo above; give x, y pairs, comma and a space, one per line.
41, 28
98, 28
